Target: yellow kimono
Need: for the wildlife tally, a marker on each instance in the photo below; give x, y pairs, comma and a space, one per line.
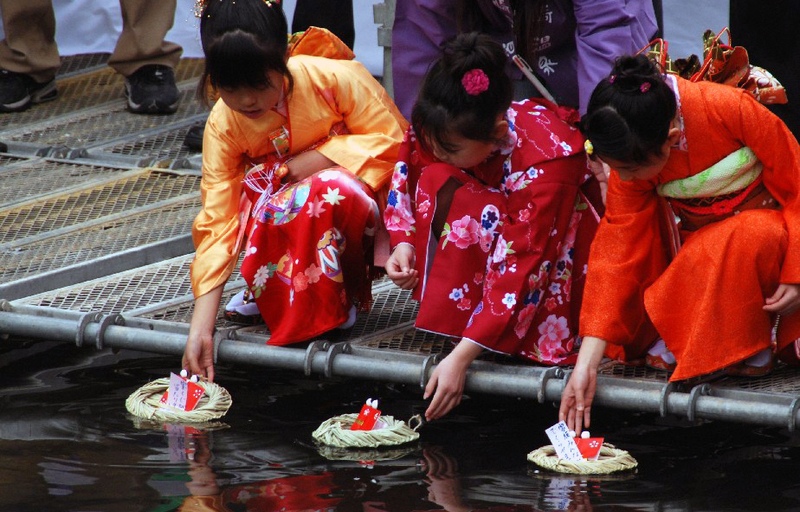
336, 106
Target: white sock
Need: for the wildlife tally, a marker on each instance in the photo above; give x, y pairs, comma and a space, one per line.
761, 359
351, 319
659, 348
238, 305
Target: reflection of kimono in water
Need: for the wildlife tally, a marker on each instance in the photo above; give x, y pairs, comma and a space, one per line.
733, 181
507, 271
306, 261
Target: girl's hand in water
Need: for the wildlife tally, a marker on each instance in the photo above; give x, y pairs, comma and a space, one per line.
400, 267
785, 300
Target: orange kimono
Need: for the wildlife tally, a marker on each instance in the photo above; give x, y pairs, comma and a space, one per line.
703, 289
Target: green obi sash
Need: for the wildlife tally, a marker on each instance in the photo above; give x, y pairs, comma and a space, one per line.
732, 174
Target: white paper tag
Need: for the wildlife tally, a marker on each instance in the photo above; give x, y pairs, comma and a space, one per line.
563, 443
178, 392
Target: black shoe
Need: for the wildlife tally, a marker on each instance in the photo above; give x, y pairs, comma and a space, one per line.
194, 137
151, 89
18, 91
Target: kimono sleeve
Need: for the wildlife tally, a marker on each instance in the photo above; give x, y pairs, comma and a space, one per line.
398, 217
374, 124
629, 252
216, 228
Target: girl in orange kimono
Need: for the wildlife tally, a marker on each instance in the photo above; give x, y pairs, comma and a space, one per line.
720, 287
491, 214
297, 156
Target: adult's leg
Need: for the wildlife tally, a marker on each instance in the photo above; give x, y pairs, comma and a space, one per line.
145, 24
30, 46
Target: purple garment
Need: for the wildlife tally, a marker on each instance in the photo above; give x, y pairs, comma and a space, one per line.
579, 42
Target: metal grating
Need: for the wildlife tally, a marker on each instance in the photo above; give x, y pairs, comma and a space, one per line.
79, 63
389, 309
628, 371
86, 205
31, 178
98, 241
412, 340
93, 127
162, 146
783, 379
122, 292
8, 160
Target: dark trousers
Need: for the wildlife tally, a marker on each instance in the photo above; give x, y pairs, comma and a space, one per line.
335, 15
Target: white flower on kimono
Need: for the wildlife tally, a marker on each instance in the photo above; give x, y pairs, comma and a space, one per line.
566, 147
263, 273
534, 173
553, 330
333, 197
524, 215
510, 300
329, 175
315, 208
456, 294
464, 232
555, 288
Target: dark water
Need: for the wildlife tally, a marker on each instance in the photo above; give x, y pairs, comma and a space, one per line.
68, 444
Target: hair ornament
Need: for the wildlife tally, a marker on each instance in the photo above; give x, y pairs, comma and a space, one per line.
200, 5
645, 87
612, 78
475, 81
588, 147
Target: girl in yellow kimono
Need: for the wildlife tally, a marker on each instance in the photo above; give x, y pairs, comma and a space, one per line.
722, 287
297, 157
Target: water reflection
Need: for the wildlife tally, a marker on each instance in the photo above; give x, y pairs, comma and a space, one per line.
68, 444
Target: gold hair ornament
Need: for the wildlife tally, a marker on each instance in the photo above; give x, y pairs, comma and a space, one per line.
200, 5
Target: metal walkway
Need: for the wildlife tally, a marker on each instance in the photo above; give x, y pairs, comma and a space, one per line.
96, 206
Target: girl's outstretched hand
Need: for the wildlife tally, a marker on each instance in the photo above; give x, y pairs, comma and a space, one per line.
447, 381
785, 300
578, 395
198, 355
400, 267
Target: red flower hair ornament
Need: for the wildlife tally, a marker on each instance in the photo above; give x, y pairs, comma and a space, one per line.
475, 81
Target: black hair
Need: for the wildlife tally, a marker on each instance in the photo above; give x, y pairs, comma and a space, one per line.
629, 113
444, 107
242, 40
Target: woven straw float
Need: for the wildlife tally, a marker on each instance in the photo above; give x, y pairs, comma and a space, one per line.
145, 403
610, 460
335, 432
